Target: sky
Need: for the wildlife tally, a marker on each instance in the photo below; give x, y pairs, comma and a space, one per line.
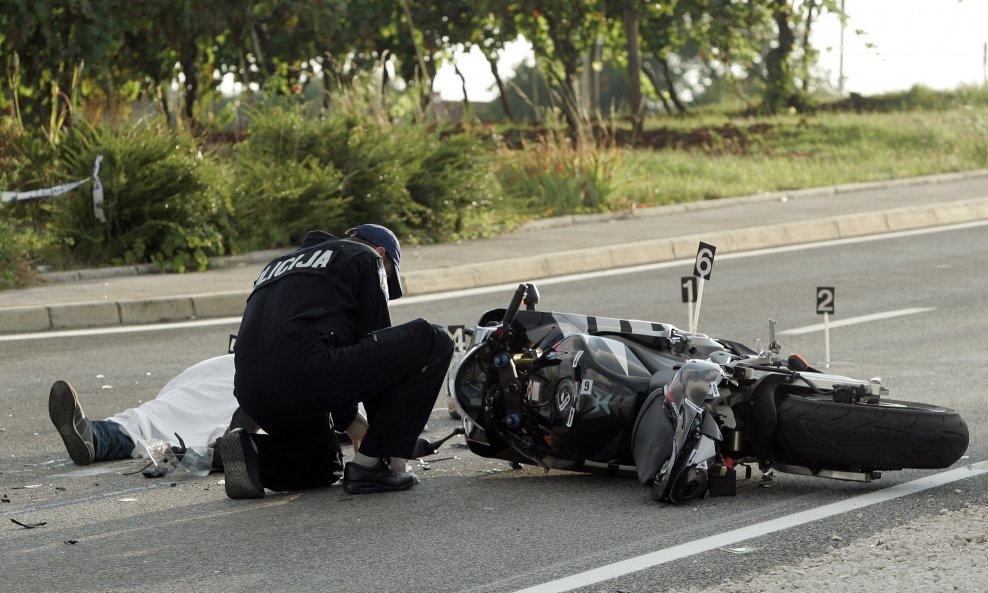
889, 45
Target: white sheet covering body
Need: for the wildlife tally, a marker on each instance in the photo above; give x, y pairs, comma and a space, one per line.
197, 404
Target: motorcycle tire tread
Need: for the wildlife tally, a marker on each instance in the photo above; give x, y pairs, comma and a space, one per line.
815, 431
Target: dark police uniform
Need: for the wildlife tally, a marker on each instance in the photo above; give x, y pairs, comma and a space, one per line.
316, 339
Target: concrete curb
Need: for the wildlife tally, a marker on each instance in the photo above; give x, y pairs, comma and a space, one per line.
262, 257
231, 304
776, 196
255, 257
660, 250
122, 312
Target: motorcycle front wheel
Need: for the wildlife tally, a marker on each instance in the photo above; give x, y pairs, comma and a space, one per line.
816, 431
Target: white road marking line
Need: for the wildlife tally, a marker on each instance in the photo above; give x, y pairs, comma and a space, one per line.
427, 298
658, 557
127, 329
482, 290
855, 320
123, 329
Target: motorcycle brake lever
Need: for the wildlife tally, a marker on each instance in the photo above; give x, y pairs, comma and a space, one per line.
773, 344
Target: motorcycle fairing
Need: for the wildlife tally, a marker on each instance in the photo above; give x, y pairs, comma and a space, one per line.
692, 447
624, 358
652, 437
596, 386
544, 328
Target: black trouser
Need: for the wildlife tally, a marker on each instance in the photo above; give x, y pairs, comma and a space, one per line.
396, 372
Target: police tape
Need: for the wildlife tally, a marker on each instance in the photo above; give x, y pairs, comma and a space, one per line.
13, 196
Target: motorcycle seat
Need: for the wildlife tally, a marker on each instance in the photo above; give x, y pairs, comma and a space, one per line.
660, 379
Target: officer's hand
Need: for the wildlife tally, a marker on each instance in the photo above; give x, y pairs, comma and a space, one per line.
357, 430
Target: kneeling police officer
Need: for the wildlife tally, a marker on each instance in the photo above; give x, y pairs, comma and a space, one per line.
316, 339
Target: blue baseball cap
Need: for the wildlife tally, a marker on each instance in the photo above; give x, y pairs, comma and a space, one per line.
382, 237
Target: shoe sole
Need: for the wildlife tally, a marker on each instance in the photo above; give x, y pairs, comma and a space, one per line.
373, 488
62, 406
236, 475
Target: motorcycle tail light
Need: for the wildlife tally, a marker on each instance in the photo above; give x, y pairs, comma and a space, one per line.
797, 363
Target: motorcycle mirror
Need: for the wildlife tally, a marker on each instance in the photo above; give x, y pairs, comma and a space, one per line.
531, 297
424, 447
512, 310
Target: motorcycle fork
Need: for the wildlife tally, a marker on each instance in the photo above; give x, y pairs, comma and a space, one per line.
733, 445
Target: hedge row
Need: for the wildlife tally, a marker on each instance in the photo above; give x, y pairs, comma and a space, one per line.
176, 200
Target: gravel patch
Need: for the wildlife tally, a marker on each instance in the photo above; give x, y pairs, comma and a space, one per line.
946, 552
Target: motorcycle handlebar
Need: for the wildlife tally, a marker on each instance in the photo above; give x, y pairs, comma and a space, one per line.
512, 311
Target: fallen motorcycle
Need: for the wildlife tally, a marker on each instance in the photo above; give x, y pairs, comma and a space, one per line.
680, 410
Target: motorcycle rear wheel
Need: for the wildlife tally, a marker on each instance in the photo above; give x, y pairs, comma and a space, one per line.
816, 431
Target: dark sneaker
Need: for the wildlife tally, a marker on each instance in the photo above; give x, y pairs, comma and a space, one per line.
358, 479
67, 416
241, 465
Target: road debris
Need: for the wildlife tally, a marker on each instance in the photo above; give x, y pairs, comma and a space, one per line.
740, 550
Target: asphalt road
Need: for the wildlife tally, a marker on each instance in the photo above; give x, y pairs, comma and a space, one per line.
473, 524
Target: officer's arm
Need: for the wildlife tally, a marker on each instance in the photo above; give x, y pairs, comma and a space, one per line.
373, 313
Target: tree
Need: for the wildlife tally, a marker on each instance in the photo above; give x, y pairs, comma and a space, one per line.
47, 45
277, 46
561, 33
726, 38
487, 25
629, 13
780, 88
789, 59
630, 19
494, 29
521, 94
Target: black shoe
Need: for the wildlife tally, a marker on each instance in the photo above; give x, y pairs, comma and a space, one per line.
241, 465
240, 419
67, 416
358, 479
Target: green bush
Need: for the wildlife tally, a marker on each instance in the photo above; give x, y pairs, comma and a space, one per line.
294, 174
456, 187
284, 185
163, 198
26, 163
16, 243
555, 177
377, 161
